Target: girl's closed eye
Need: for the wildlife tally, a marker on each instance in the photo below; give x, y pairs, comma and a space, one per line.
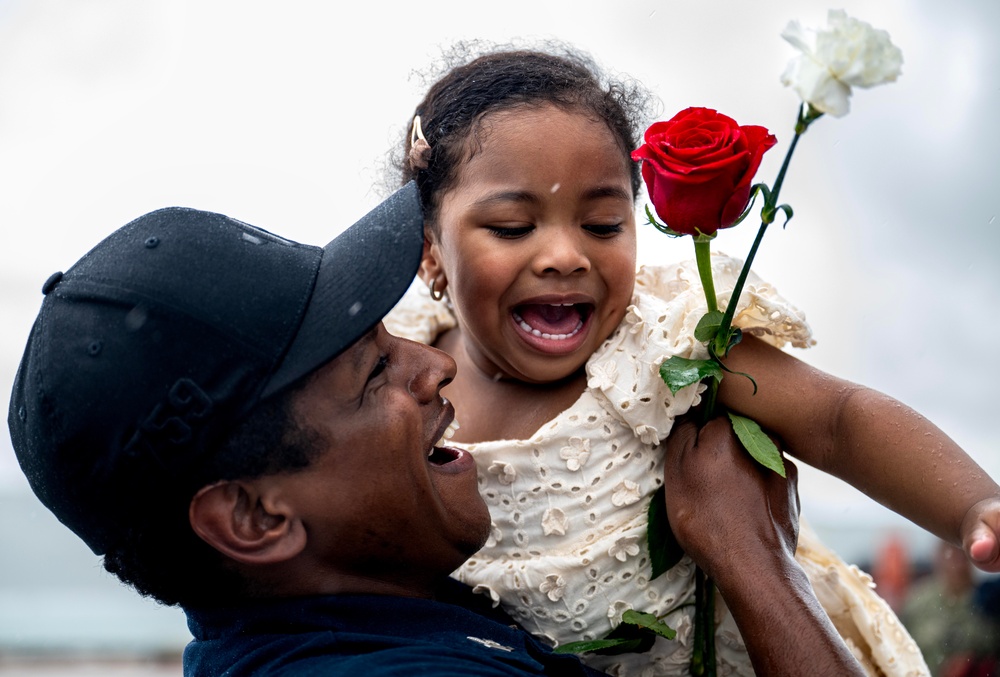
509, 232
604, 230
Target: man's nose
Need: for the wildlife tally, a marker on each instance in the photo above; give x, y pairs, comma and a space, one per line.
433, 370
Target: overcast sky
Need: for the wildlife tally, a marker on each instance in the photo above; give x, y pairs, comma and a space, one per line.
280, 114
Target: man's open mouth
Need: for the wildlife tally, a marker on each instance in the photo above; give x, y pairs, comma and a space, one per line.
443, 455
439, 453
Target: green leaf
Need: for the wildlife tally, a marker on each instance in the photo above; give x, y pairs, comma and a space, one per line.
623, 644
751, 199
625, 638
666, 230
649, 622
807, 116
765, 191
723, 343
679, 372
708, 326
788, 213
635, 634
664, 550
734, 339
757, 443
636, 639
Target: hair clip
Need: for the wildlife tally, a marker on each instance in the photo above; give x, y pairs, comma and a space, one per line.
420, 150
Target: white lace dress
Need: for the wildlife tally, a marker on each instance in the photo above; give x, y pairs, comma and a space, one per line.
567, 554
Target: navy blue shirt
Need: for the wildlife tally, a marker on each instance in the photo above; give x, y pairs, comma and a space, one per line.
367, 635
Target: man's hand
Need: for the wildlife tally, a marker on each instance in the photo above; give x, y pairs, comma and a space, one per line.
739, 522
722, 505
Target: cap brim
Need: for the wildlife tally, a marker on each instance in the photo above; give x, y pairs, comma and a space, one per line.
363, 273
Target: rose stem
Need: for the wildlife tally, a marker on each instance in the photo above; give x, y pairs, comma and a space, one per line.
700, 644
703, 256
703, 657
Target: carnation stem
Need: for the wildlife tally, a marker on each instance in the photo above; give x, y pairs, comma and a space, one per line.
801, 124
767, 216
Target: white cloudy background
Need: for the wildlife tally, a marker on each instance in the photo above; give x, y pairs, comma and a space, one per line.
280, 114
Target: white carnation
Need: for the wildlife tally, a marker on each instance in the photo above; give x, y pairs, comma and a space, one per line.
847, 53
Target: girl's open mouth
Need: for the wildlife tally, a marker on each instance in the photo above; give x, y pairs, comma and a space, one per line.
553, 327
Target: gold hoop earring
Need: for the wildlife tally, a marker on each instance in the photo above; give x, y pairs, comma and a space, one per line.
435, 294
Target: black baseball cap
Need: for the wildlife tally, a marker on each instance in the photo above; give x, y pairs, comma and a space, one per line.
152, 347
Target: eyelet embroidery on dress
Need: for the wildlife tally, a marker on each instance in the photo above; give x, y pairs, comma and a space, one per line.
567, 549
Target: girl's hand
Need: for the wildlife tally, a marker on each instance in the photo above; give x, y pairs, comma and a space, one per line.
981, 534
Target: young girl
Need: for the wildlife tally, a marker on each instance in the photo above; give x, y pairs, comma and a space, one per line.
522, 159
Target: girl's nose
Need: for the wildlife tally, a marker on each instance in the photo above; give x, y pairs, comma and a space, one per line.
562, 252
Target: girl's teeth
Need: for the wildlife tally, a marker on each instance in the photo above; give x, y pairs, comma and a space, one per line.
555, 337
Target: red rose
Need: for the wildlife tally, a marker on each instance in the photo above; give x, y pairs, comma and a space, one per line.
698, 168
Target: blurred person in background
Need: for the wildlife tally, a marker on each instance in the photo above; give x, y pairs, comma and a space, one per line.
892, 571
956, 636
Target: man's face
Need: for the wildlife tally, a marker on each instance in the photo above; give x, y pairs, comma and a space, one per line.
382, 500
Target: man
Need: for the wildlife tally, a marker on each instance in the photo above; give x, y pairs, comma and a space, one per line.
219, 412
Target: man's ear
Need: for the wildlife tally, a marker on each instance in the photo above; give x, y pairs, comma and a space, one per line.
247, 521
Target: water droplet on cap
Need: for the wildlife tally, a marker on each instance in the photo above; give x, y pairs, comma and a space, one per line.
135, 318
354, 309
151, 242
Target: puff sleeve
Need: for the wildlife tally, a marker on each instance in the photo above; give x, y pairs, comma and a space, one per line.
667, 305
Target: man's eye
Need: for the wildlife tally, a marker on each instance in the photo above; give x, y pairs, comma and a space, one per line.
603, 230
510, 232
383, 362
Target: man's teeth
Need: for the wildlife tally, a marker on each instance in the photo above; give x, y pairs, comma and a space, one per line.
555, 337
449, 432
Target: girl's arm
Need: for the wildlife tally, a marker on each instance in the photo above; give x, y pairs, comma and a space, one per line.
872, 441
